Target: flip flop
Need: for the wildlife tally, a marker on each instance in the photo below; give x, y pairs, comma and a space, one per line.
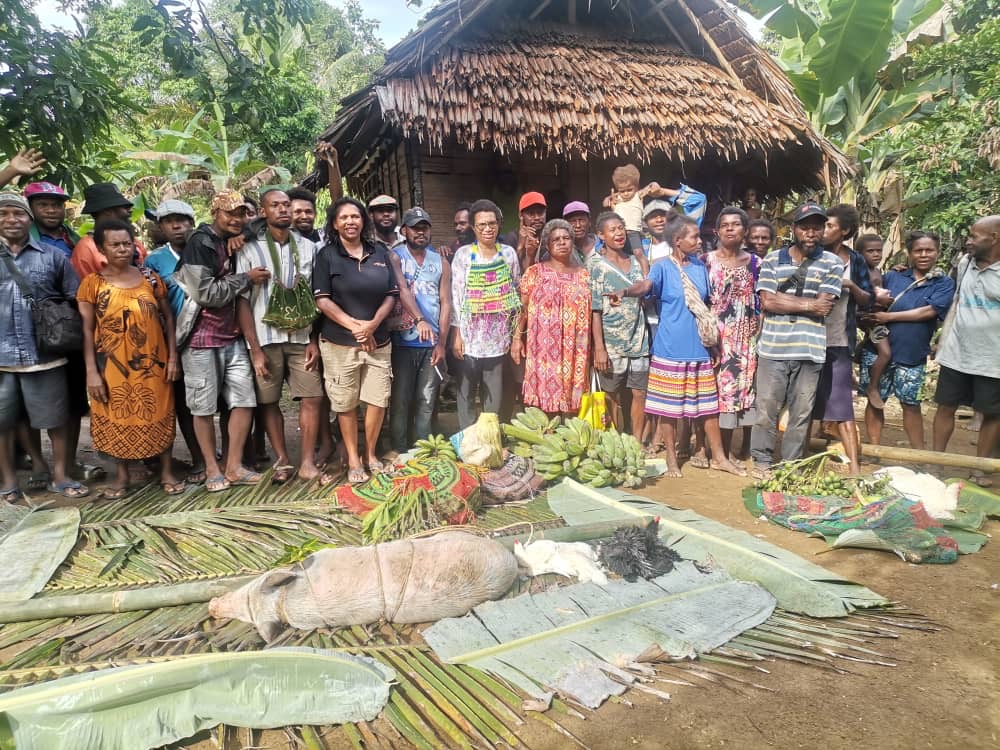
39, 481
699, 462
174, 488
115, 493
377, 467
761, 473
246, 478
217, 484
90, 472
282, 473
196, 476
357, 476
69, 488
11, 496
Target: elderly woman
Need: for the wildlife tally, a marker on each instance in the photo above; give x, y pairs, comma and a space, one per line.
131, 358
681, 379
355, 290
921, 296
484, 281
555, 318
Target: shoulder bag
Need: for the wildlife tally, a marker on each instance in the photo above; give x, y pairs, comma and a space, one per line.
58, 325
705, 320
288, 308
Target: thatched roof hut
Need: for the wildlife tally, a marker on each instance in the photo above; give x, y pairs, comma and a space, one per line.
493, 97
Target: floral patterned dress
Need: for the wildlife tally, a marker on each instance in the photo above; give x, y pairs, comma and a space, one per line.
558, 348
734, 301
138, 420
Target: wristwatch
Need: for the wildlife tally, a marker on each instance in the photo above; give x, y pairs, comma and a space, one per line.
418, 321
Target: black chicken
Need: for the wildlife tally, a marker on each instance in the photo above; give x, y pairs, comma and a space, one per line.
633, 551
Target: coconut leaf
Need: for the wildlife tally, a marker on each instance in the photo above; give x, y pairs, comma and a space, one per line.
32, 545
154, 704
798, 585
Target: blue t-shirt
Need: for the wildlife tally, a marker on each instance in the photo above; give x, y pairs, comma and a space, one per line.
425, 283
164, 262
677, 335
911, 342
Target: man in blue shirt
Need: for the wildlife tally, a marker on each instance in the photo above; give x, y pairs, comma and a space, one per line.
31, 382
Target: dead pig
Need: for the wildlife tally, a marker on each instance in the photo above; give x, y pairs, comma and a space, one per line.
407, 581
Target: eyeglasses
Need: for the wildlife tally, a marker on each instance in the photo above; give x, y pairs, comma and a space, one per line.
487, 225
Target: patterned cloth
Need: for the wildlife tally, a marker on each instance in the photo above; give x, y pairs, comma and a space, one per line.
625, 333
138, 420
424, 281
733, 299
483, 316
680, 390
905, 383
558, 350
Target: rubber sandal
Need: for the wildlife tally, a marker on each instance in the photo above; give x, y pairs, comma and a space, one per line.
115, 493
760, 473
357, 476
174, 488
699, 462
282, 473
246, 478
39, 481
377, 467
217, 484
740, 472
196, 476
11, 496
90, 472
69, 488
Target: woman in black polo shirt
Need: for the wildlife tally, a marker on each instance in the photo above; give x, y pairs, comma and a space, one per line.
355, 291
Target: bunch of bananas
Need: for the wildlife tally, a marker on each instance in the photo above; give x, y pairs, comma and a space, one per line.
528, 429
435, 446
614, 459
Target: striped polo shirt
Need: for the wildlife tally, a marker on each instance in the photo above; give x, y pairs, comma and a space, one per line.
797, 336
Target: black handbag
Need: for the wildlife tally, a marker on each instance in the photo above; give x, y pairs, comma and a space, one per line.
58, 325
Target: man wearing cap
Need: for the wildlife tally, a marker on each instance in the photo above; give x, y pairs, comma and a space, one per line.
48, 204
418, 350
281, 354
175, 220
31, 382
531, 211
102, 200
577, 213
798, 286
213, 354
384, 211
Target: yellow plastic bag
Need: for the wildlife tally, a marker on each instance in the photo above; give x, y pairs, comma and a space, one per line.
594, 406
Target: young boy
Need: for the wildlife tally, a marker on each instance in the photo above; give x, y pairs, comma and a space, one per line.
627, 199
870, 247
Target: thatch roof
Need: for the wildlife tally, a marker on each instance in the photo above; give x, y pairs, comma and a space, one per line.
632, 79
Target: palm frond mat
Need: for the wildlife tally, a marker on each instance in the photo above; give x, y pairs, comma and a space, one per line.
151, 539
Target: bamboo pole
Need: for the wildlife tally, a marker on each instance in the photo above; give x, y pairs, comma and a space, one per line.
195, 592
911, 455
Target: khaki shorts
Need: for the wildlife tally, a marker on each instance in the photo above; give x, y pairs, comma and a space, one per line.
287, 362
353, 375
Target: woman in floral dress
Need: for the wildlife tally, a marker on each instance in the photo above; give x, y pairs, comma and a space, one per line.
732, 279
131, 357
555, 320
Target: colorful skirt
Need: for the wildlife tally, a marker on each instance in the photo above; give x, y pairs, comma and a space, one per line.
679, 390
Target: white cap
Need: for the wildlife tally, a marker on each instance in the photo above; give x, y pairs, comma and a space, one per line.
174, 207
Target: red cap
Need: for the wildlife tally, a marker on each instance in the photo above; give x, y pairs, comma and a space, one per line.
531, 199
35, 189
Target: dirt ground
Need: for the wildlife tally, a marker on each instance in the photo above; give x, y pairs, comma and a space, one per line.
943, 692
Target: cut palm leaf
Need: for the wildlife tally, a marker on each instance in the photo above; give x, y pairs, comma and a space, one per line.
155, 704
798, 585
33, 543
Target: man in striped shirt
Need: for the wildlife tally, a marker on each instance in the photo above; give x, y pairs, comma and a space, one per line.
798, 285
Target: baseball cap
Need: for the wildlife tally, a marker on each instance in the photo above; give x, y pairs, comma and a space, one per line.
18, 201
576, 207
382, 200
227, 200
172, 208
531, 199
414, 216
653, 206
37, 189
806, 210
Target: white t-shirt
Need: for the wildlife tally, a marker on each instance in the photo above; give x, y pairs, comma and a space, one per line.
973, 344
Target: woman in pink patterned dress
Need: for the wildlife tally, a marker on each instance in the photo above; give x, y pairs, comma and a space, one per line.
732, 278
555, 317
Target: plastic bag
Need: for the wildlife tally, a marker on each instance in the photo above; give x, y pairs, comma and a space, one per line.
480, 444
594, 406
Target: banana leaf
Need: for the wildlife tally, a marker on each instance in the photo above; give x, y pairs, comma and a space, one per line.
575, 639
149, 705
973, 498
798, 585
33, 543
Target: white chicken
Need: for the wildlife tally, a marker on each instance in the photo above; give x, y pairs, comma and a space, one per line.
572, 559
939, 499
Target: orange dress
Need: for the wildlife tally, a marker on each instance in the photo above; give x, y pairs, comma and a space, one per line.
138, 420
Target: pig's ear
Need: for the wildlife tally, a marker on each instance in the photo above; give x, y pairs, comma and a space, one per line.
269, 630
276, 579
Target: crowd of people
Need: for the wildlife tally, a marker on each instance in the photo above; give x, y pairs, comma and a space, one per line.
699, 351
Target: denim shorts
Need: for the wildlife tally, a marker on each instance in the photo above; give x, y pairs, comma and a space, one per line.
225, 371
41, 395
